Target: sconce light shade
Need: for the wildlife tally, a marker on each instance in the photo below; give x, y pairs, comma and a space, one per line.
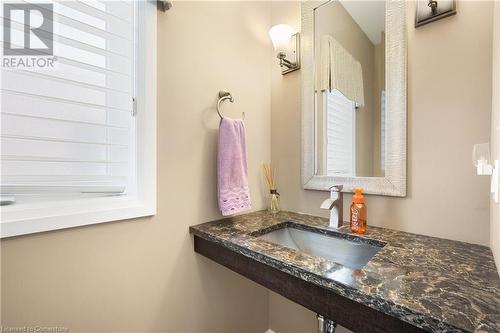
287, 46
280, 35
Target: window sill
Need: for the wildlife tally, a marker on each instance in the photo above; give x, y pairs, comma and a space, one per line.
25, 219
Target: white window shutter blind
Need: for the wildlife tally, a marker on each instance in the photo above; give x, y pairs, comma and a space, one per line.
340, 135
70, 128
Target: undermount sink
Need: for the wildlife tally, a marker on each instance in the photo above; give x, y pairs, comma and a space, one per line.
345, 252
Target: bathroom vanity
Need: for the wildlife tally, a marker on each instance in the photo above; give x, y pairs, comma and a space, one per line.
354, 134
383, 281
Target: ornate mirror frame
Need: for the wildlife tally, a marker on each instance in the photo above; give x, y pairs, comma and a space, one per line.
394, 182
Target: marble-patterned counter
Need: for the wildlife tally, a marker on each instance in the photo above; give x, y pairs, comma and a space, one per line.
435, 284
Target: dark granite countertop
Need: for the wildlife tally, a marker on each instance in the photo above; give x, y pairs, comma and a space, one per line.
432, 283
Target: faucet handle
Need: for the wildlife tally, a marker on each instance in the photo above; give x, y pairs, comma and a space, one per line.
336, 188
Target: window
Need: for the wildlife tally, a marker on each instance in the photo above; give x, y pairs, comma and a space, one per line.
78, 138
340, 134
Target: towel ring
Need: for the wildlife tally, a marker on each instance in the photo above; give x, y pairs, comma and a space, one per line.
224, 95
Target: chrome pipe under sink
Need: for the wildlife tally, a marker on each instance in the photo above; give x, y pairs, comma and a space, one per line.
345, 252
326, 325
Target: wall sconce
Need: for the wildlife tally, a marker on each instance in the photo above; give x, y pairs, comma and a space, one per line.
481, 160
163, 5
432, 10
287, 46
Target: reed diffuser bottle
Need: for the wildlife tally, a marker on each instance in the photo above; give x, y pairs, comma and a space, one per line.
274, 196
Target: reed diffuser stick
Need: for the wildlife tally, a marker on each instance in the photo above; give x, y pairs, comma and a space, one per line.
270, 176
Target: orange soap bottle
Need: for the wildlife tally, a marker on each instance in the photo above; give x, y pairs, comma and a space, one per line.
358, 212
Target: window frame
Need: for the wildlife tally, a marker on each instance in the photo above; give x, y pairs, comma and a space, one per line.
42, 215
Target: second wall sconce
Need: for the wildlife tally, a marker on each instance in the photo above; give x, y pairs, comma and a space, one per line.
432, 10
287, 45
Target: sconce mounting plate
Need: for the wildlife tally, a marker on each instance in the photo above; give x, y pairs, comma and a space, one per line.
432, 10
293, 54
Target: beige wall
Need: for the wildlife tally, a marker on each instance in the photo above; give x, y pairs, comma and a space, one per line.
495, 134
142, 275
449, 106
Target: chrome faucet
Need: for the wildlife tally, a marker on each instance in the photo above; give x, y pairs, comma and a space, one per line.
335, 204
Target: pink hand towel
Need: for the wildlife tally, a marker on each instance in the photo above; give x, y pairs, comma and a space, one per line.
232, 172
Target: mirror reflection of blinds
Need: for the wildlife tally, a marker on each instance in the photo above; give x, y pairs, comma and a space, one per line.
340, 134
69, 128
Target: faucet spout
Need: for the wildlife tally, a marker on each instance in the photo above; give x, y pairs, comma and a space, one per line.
335, 204
328, 204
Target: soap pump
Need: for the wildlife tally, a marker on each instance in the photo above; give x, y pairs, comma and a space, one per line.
358, 212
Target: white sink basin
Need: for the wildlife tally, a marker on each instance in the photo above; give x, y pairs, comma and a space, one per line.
348, 253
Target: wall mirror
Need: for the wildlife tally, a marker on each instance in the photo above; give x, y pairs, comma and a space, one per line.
354, 95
